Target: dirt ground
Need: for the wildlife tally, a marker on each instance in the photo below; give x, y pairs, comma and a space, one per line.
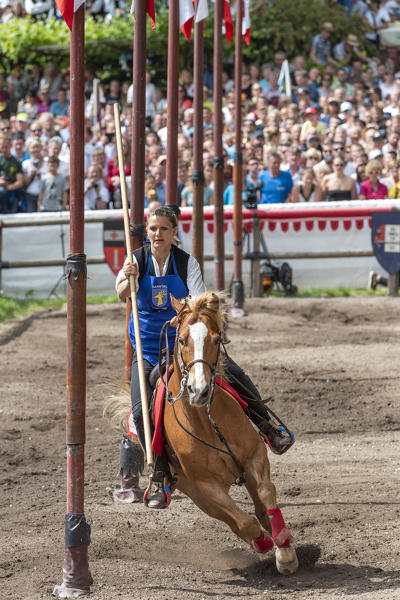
329, 367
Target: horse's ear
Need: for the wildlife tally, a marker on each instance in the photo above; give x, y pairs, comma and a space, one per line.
214, 302
177, 304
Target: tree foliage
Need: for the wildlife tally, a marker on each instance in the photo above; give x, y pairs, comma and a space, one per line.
285, 25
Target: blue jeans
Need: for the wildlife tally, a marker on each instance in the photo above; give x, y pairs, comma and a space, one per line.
3, 200
31, 201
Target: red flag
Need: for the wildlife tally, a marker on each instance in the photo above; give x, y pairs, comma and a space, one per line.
186, 14
150, 11
227, 20
246, 24
68, 8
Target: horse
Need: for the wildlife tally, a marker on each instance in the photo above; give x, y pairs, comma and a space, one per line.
210, 441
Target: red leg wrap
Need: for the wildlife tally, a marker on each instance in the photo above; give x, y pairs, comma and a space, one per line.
263, 543
280, 532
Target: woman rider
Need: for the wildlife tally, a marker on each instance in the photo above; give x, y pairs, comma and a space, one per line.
161, 269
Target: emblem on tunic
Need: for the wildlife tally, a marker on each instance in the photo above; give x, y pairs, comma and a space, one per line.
159, 295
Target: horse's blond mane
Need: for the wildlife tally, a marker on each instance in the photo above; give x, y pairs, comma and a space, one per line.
209, 304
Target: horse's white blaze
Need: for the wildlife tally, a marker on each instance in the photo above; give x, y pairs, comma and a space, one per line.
198, 333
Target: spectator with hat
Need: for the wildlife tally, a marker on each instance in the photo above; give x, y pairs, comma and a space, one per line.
22, 123
332, 110
347, 51
345, 111
321, 45
312, 123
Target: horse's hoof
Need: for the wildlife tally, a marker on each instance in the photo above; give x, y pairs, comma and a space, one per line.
286, 561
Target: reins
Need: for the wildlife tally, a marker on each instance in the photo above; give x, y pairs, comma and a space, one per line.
184, 369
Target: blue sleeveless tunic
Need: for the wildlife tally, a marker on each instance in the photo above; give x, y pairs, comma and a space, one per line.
155, 308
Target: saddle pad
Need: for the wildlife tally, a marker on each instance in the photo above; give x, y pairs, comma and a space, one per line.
158, 437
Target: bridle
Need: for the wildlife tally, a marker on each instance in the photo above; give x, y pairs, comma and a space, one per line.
184, 371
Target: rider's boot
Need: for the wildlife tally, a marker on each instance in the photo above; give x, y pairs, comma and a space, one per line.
159, 494
278, 438
131, 464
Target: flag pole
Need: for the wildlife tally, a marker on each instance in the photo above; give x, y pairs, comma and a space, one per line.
237, 284
138, 153
198, 171
76, 574
172, 106
219, 249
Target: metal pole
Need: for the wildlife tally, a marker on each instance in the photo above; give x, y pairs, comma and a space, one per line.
172, 107
237, 284
255, 263
76, 574
393, 284
198, 172
219, 247
138, 153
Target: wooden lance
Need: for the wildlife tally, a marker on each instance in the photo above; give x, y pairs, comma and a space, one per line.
139, 353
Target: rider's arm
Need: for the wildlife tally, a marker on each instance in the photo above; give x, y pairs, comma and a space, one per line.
122, 283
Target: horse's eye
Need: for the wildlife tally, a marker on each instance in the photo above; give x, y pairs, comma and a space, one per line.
181, 341
216, 340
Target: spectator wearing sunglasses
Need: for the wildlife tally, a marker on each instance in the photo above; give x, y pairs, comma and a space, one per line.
372, 188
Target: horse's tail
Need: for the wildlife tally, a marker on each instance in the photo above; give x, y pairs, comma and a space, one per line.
116, 409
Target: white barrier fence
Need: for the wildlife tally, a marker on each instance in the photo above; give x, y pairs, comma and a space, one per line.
326, 244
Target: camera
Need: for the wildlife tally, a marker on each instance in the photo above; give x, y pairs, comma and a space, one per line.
280, 274
250, 200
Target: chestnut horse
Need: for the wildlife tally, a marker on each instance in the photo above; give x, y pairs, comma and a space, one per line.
210, 441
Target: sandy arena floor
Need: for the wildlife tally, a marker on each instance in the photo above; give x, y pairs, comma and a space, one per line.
329, 367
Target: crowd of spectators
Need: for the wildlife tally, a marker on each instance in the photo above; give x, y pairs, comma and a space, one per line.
335, 137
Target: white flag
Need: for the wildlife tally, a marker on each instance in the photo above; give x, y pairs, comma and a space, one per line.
186, 14
202, 11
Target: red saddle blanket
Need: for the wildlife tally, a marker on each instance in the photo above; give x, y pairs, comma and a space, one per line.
158, 437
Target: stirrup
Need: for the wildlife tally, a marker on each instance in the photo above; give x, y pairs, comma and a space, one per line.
157, 494
277, 436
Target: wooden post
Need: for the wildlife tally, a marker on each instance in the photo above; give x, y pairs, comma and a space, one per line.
237, 284
198, 171
219, 242
138, 153
76, 574
172, 106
